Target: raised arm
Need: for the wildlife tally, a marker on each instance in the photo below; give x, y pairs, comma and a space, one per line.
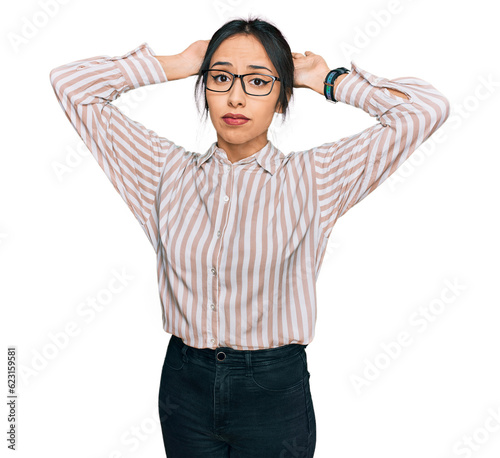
408, 110
132, 156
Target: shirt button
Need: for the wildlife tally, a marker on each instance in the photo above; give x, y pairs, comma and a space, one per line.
212, 306
213, 271
212, 340
218, 233
226, 198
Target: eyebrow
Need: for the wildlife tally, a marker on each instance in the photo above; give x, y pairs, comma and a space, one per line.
248, 66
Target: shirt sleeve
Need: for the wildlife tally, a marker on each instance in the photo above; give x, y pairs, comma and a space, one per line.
349, 169
132, 156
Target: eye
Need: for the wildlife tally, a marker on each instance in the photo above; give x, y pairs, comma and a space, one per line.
222, 75
261, 82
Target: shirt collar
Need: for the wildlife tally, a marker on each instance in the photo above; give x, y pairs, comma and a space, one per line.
269, 157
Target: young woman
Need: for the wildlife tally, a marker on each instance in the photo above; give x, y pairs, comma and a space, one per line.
240, 231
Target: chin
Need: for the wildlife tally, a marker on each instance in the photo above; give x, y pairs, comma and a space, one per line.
234, 137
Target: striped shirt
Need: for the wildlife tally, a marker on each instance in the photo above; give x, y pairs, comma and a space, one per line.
240, 245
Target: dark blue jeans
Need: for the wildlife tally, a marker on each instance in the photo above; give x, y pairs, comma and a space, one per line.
236, 403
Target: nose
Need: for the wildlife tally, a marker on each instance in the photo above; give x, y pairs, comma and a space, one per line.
236, 94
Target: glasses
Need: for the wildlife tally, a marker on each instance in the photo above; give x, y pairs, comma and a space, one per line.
222, 81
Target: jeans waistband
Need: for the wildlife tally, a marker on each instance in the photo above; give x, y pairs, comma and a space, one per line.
231, 356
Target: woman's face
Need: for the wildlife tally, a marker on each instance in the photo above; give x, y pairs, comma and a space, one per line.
242, 140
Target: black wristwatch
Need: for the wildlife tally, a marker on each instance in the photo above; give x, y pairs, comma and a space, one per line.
330, 81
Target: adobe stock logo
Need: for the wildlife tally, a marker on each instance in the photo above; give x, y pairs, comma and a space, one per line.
371, 29
226, 8
470, 443
460, 112
59, 341
421, 320
31, 26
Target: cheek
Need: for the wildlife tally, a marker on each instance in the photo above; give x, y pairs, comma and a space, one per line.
214, 108
267, 112
210, 103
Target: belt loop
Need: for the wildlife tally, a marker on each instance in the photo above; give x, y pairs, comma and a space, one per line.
184, 355
248, 358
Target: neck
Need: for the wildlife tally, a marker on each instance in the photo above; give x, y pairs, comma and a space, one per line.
237, 151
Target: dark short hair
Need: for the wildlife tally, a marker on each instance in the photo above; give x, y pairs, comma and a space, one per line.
274, 43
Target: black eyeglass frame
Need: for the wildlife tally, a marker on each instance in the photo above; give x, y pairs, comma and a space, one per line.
275, 78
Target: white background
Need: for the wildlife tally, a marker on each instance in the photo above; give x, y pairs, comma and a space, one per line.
390, 259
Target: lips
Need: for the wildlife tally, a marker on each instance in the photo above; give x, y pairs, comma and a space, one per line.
235, 121
234, 115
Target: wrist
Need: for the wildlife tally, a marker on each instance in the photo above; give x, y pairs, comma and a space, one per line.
174, 67
317, 82
318, 85
332, 81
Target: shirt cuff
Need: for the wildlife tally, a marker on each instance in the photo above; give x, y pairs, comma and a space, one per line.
364, 90
139, 67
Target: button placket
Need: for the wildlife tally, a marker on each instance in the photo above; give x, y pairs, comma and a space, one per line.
225, 187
